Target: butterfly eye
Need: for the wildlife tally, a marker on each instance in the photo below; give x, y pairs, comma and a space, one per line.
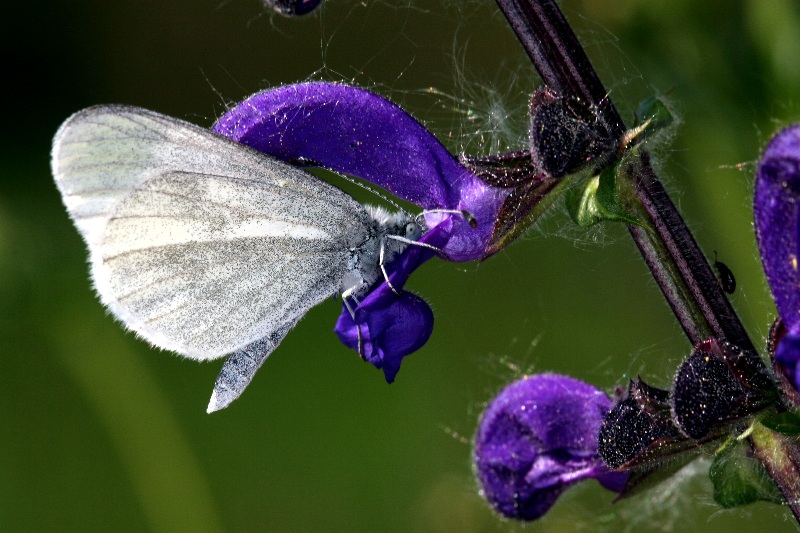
413, 231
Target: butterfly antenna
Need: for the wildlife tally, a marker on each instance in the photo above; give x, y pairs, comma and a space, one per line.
420, 244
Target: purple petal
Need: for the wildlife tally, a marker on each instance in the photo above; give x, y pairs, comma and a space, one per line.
536, 438
356, 132
613, 481
392, 325
777, 214
788, 355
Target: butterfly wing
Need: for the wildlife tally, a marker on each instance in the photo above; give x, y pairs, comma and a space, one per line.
241, 366
199, 244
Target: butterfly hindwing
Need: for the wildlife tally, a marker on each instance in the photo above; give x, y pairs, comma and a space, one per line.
199, 244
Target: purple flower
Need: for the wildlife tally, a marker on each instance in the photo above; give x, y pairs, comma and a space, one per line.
777, 223
538, 437
353, 131
389, 326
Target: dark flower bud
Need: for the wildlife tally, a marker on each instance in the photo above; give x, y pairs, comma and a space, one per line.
637, 427
565, 134
718, 383
530, 193
704, 392
293, 8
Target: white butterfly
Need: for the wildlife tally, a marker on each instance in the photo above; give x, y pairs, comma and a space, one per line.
206, 247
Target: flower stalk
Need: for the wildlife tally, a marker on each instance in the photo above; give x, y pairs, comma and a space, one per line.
676, 262
558, 55
670, 251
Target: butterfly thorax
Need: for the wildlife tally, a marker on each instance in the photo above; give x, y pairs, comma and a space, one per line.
363, 266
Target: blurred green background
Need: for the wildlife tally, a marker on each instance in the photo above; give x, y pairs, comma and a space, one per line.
98, 431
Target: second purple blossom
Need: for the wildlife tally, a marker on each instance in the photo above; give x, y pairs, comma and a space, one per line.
537, 438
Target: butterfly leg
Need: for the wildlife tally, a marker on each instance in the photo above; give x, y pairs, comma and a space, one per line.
349, 294
383, 267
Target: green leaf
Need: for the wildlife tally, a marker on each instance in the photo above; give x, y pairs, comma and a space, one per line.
784, 423
597, 200
740, 480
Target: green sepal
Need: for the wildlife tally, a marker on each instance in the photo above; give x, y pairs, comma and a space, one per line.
787, 423
597, 200
582, 203
739, 479
654, 114
608, 199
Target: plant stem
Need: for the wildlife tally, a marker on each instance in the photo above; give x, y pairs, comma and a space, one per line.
689, 284
558, 55
670, 251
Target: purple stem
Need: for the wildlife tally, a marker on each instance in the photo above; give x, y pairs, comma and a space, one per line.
679, 266
672, 254
558, 55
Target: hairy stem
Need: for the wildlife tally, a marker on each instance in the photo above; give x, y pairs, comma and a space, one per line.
781, 459
670, 251
558, 55
678, 264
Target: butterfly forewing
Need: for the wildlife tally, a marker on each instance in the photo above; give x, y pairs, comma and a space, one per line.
199, 244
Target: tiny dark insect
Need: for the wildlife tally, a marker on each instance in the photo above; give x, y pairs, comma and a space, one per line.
726, 279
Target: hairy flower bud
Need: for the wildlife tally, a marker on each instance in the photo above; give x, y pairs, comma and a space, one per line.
538, 437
